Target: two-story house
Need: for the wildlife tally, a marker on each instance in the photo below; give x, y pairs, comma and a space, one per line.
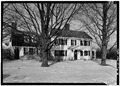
69, 45
73, 45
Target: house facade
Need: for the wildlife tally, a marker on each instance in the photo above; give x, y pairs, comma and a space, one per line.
73, 46
70, 45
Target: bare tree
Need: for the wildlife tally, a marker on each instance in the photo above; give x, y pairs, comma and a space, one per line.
100, 19
45, 20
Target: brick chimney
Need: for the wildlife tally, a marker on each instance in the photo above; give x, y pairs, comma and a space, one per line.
67, 27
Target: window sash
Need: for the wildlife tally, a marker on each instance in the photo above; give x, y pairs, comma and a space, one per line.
60, 53
33, 39
73, 42
81, 42
61, 42
26, 39
86, 53
85, 43
89, 43
81, 53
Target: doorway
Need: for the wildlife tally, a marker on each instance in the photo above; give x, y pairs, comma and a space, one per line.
93, 54
75, 55
16, 56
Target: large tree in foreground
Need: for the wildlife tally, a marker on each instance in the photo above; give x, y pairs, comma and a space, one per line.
45, 20
100, 19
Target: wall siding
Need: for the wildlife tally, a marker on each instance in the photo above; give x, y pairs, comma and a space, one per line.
70, 52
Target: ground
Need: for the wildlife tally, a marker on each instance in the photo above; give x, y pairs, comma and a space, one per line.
78, 71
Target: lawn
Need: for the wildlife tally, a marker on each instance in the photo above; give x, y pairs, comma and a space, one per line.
78, 71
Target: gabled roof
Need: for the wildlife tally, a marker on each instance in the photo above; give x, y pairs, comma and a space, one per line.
76, 34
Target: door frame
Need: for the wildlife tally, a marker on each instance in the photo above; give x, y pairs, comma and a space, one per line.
75, 54
16, 53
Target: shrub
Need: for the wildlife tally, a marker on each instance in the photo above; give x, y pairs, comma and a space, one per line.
110, 55
98, 54
7, 54
30, 57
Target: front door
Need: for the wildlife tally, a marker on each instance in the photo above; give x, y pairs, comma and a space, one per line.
16, 51
75, 55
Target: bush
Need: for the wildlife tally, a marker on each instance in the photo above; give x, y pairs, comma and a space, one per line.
110, 55
7, 54
30, 57
98, 54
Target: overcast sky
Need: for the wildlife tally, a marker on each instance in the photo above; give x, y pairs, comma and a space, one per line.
76, 25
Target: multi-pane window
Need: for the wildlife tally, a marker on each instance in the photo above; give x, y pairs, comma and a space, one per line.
86, 53
61, 42
73, 42
60, 53
26, 39
33, 39
56, 42
29, 51
85, 43
81, 53
26, 51
56, 53
89, 43
81, 42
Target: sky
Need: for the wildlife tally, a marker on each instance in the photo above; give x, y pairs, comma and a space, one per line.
76, 25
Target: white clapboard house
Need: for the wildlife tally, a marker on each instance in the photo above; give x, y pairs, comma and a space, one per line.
73, 45
69, 45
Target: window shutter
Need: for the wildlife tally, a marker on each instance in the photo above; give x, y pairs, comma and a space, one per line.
75, 42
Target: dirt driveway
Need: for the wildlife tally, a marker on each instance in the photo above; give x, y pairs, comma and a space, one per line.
62, 72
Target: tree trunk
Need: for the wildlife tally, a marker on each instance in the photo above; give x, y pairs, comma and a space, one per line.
104, 53
44, 59
104, 35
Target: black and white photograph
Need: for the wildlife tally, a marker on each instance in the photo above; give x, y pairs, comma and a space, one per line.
60, 42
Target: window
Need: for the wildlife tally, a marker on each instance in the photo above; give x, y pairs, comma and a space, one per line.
81, 42
56, 42
26, 51
92, 53
73, 42
60, 53
65, 41
61, 42
33, 39
81, 53
85, 43
87, 53
31, 50
26, 39
56, 53
89, 43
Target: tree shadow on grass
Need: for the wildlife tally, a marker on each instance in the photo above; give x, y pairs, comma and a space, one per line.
54, 62
99, 63
5, 75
